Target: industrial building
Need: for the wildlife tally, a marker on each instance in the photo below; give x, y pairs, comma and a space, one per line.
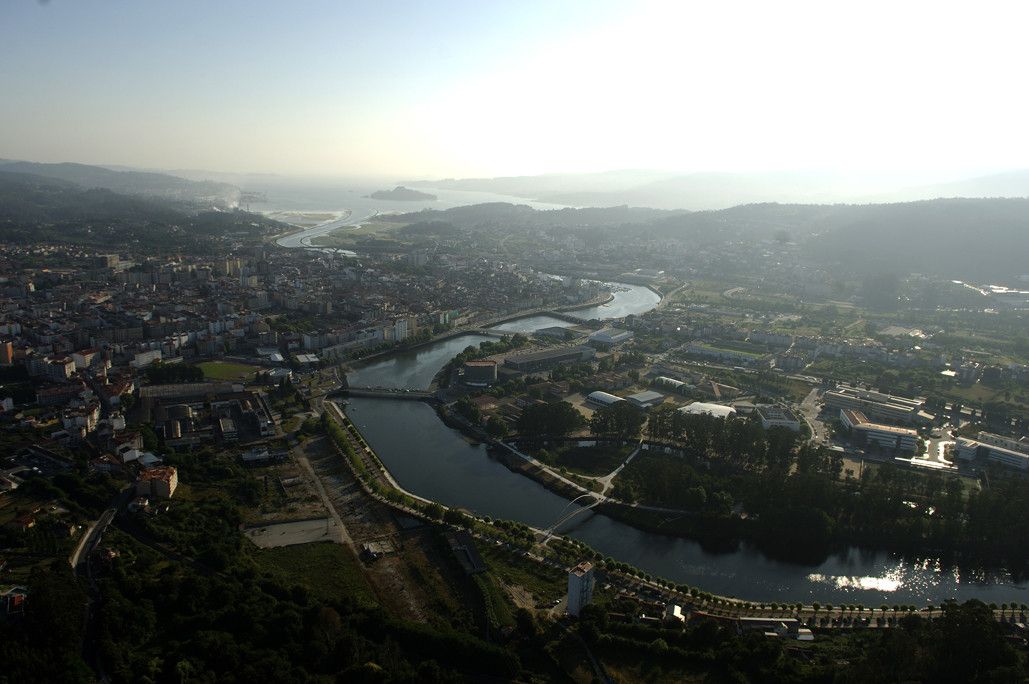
580, 587
646, 399
481, 373
556, 332
672, 384
886, 436
548, 358
607, 338
195, 413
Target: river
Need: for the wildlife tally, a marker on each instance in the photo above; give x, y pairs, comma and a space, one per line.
431, 460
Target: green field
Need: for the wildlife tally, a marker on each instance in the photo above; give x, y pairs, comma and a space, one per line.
329, 571
226, 370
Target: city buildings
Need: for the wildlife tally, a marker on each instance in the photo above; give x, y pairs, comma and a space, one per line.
159, 483
1008, 452
878, 405
777, 416
889, 437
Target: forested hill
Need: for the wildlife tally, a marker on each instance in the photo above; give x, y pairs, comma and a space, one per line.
34, 209
141, 183
960, 238
28, 198
971, 238
522, 215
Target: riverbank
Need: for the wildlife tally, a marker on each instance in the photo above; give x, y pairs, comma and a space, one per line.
716, 534
534, 472
570, 550
441, 464
473, 330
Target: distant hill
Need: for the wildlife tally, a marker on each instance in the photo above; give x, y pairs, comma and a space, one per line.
707, 191
522, 215
978, 239
531, 187
958, 238
140, 183
403, 194
962, 238
1011, 184
36, 209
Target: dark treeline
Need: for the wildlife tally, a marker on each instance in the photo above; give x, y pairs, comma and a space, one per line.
798, 506
964, 645
192, 603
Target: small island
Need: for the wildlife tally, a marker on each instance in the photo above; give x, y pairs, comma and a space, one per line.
402, 193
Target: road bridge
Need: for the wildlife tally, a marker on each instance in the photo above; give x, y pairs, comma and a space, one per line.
384, 393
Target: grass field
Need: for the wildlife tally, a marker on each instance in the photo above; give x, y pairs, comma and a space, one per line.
329, 571
226, 370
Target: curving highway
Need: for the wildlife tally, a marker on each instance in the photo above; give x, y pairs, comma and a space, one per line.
302, 239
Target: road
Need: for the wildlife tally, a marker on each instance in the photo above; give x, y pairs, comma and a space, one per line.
92, 538
809, 410
327, 502
81, 562
302, 239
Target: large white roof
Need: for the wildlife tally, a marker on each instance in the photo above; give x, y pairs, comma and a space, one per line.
716, 410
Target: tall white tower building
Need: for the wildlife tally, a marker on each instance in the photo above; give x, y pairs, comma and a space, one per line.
580, 587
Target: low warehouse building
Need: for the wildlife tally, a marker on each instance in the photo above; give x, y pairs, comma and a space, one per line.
602, 399
645, 400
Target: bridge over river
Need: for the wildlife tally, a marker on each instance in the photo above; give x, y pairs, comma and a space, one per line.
384, 393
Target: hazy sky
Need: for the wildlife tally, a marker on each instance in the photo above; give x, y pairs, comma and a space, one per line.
434, 89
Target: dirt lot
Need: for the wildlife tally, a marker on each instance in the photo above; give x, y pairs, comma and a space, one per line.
300, 532
418, 582
288, 495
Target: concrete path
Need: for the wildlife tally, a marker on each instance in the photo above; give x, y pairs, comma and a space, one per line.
608, 480
344, 535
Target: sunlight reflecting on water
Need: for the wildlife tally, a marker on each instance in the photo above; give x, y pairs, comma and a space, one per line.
888, 583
